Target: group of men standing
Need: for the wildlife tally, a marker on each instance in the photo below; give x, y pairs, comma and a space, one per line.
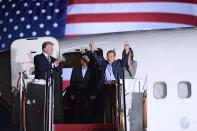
92, 85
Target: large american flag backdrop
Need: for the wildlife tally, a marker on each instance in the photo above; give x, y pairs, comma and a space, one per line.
63, 18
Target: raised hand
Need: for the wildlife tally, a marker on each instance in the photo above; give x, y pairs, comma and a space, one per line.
82, 50
91, 46
126, 46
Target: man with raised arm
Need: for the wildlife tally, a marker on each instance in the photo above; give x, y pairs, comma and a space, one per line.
112, 70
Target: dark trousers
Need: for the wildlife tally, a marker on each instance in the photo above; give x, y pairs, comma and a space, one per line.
99, 107
92, 111
81, 105
82, 113
69, 109
109, 103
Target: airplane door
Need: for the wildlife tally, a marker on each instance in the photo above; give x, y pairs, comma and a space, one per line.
23, 52
22, 55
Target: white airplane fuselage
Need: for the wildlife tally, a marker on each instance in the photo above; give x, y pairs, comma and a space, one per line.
167, 56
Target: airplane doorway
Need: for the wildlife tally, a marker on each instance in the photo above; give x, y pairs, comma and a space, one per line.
72, 61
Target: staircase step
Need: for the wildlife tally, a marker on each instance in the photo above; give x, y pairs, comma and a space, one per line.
84, 127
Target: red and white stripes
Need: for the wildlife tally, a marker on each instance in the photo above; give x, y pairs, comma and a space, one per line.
103, 16
66, 74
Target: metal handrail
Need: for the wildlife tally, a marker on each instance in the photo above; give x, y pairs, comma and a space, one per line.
49, 102
121, 111
22, 100
121, 121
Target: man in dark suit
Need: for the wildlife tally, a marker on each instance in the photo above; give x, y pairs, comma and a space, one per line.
44, 63
81, 90
112, 70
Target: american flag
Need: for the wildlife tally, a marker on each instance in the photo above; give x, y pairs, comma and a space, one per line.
63, 18
31, 18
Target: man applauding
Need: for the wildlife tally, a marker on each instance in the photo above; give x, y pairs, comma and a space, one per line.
44, 63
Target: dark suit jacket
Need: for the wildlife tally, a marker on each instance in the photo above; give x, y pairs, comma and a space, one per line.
42, 65
80, 87
118, 65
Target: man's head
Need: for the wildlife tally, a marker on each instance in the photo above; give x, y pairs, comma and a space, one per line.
84, 60
111, 56
47, 47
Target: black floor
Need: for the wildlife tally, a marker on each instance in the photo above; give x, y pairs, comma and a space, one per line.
6, 121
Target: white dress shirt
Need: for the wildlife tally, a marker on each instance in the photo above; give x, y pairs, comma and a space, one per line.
47, 56
84, 70
109, 75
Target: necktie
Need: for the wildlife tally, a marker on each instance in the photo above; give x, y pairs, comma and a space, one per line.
49, 59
